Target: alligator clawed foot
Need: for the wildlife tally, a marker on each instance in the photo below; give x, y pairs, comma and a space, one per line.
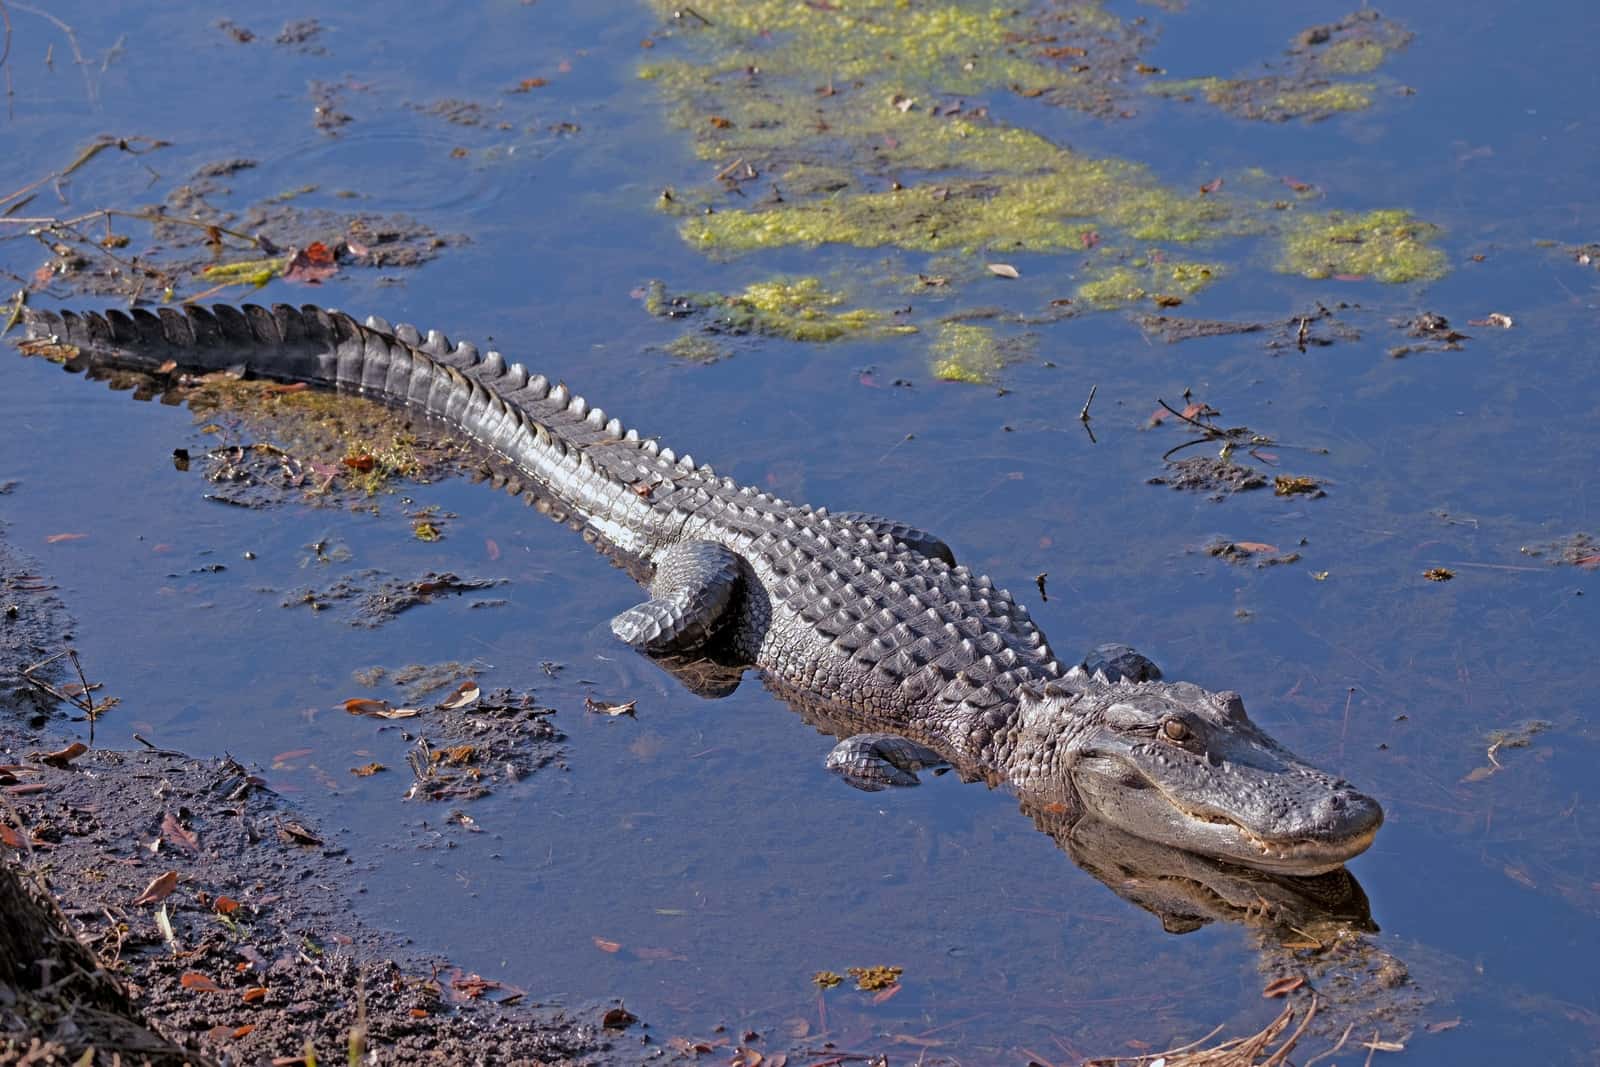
876, 761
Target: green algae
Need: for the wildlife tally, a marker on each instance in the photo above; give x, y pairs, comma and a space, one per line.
1272, 99
1387, 246
954, 47
1163, 280
973, 354
799, 309
695, 348
1352, 57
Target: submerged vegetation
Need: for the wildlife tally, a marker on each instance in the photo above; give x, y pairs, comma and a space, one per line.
799, 309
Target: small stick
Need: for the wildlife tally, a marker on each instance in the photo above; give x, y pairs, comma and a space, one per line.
686, 10
1083, 416
726, 171
88, 696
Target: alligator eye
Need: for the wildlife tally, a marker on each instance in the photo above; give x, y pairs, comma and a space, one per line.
1175, 730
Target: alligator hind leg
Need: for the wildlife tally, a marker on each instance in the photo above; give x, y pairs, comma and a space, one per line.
914, 538
694, 587
1119, 662
875, 761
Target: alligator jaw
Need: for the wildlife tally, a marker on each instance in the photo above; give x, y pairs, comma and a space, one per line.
1118, 791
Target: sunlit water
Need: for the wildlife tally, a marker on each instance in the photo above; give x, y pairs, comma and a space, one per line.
704, 837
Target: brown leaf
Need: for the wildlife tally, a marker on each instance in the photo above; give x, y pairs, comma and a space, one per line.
607, 946
243, 1031
398, 713
719, 122
198, 982
368, 770
618, 1019
255, 994
1211, 186
362, 463
179, 834
466, 693
294, 833
1256, 546
1003, 270
1587, 562
159, 889
1283, 986
312, 265
63, 757
168, 367
532, 83
9, 837
419, 1013
1442, 1025
56, 539
491, 549
365, 706
225, 906
605, 707
292, 754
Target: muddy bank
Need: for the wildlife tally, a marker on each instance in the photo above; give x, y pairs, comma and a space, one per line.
201, 917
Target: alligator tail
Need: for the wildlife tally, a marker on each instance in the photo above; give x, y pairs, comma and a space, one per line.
545, 431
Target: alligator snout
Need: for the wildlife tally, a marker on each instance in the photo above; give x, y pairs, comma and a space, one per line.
1342, 814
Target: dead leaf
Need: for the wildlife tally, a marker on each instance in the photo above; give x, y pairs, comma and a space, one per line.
255, 994
885, 993
1520, 876
1478, 774
1003, 270
719, 122
179, 834
63, 757
56, 539
168, 367
225, 906
605, 707
607, 946
1211, 186
618, 1018
1495, 319
1442, 1025
292, 754
1439, 574
198, 982
419, 1013
1256, 547
365, 706
294, 833
313, 265
1283, 986
466, 693
361, 463
159, 889
491, 549
532, 83
243, 1031
368, 770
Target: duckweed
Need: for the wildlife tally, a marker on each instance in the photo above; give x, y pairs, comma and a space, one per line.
967, 353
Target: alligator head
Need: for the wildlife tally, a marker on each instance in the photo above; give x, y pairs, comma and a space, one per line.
1183, 766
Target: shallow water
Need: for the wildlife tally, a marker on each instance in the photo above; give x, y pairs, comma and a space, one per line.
704, 837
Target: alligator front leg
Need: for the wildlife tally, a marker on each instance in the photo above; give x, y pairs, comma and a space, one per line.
914, 538
875, 761
695, 586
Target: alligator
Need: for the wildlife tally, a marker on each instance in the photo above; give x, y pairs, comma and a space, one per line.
873, 618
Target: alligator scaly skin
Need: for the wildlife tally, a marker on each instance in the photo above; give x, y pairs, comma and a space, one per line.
869, 617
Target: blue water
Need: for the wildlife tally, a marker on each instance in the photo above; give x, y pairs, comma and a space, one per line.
704, 837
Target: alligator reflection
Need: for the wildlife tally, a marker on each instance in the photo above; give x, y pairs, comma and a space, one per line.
1184, 890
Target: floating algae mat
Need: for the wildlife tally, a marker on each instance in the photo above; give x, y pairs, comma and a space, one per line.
846, 123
